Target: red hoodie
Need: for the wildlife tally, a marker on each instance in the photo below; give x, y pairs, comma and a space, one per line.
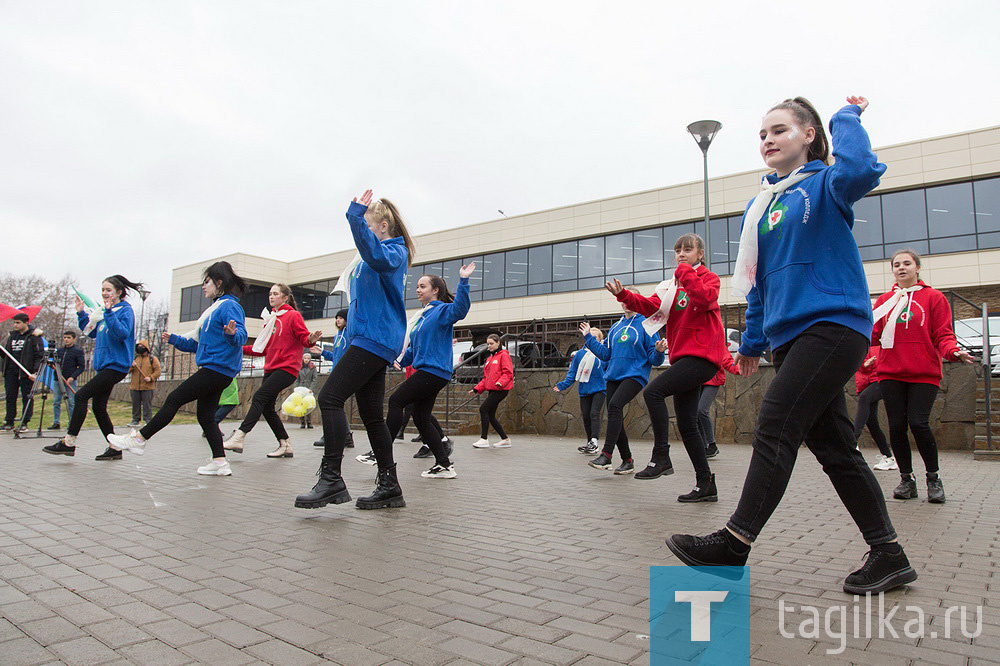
867, 376
923, 337
728, 365
289, 339
695, 325
498, 373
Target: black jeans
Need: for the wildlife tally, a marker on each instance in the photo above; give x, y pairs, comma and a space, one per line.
13, 382
590, 410
407, 412
805, 401
620, 393
205, 386
262, 403
488, 414
419, 391
362, 374
142, 406
683, 380
867, 414
705, 425
222, 412
97, 389
910, 405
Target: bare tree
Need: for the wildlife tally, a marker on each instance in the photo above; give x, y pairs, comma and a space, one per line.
57, 314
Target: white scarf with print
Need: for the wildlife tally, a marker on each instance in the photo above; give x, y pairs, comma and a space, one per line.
270, 321
896, 305
586, 367
344, 281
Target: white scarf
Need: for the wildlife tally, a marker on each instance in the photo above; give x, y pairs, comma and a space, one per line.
97, 316
344, 281
896, 305
410, 325
270, 321
205, 316
586, 367
745, 274
667, 291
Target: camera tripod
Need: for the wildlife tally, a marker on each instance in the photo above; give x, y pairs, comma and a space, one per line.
39, 387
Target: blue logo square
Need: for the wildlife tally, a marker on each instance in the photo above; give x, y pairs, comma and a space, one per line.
698, 615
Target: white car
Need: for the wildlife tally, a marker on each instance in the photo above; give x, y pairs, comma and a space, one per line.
969, 333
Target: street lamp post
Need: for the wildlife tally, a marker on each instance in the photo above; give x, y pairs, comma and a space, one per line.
703, 132
144, 294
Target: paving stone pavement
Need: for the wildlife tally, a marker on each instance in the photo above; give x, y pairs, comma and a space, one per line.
528, 557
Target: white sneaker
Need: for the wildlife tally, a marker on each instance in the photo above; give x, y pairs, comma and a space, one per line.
885, 463
439, 472
366, 458
128, 443
213, 468
481, 443
502, 444
235, 441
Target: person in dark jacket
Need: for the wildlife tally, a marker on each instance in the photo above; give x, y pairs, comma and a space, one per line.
24, 344
72, 364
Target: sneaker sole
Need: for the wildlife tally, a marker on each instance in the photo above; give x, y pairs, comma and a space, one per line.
893, 580
229, 473
435, 476
283, 455
726, 572
61, 453
340, 498
604, 467
709, 498
501, 446
935, 500
234, 450
429, 455
625, 472
666, 472
904, 497
395, 503
108, 458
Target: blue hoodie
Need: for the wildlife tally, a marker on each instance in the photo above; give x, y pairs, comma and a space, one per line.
376, 318
431, 348
597, 384
215, 349
114, 345
629, 351
808, 267
339, 347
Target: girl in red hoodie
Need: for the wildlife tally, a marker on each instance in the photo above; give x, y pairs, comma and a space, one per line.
280, 342
696, 346
913, 327
497, 381
869, 395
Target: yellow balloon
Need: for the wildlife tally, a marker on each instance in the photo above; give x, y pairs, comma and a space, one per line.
309, 402
295, 399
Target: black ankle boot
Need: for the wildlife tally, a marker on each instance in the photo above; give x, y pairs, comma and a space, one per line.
330, 489
387, 495
657, 467
704, 491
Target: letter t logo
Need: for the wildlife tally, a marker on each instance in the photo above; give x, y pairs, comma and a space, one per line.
701, 606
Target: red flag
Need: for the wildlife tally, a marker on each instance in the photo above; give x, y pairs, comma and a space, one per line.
6, 311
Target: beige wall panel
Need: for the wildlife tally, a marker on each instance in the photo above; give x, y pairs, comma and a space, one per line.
898, 152
613, 216
946, 144
984, 137
614, 203
953, 160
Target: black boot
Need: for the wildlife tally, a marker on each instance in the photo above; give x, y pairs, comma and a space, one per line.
659, 466
320, 442
387, 495
704, 491
330, 489
350, 440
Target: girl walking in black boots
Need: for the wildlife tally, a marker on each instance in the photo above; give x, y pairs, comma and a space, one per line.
800, 270
375, 328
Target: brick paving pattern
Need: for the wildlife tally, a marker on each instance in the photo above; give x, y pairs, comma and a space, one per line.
529, 557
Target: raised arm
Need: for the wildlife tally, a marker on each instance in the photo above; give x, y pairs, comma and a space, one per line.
457, 310
856, 171
381, 257
644, 305
571, 374
702, 290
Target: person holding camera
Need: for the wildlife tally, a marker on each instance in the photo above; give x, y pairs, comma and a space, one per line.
72, 364
144, 373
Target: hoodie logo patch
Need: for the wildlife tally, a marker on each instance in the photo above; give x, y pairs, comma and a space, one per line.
100, 327
682, 300
774, 217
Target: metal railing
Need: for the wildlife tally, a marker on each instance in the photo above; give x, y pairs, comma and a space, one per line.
985, 360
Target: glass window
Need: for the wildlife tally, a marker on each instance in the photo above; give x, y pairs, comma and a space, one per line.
920, 247
492, 294
987, 206
540, 265
591, 258
255, 300
517, 270
735, 227
431, 269
539, 289
566, 285
953, 244
989, 240
193, 303
868, 221
410, 289
493, 271
590, 283
476, 279
515, 292
618, 256
449, 271
949, 211
718, 252
315, 300
871, 252
670, 236
564, 260
904, 216
648, 253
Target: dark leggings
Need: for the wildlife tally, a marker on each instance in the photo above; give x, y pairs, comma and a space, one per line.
683, 380
362, 374
488, 414
420, 390
705, 401
262, 403
205, 386
620, 393
909, 404
590, 410
97, 389
867, 414
407, 412
15, 381
805, 401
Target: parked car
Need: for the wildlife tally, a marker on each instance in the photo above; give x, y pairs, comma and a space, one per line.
969, 333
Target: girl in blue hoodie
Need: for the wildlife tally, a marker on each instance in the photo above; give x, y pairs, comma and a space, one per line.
629, 354
808, 300
217, 341
429, 351
376, 325
113, 330
592, 392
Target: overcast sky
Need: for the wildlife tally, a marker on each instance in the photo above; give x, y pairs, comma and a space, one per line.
137, 136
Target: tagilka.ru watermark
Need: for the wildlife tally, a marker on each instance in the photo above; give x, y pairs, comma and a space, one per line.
861, 620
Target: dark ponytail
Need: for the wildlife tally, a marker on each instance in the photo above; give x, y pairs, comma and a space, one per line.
437, 282
230, 282
123, 285
806, 114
